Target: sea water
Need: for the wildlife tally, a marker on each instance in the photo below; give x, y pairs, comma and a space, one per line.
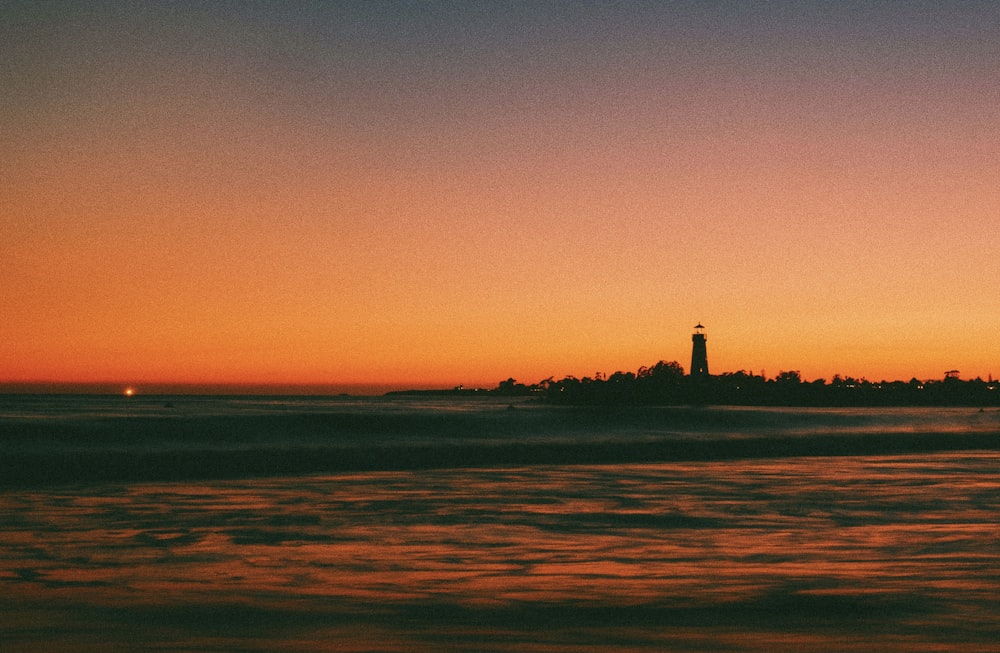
419, 524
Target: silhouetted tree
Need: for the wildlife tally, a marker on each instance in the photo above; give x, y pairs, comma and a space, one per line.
665, 383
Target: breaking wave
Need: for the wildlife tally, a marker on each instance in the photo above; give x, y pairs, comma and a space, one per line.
85, 439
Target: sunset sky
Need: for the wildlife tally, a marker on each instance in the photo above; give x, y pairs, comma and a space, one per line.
443, 193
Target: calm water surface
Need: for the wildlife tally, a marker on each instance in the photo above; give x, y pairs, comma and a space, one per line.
890, 552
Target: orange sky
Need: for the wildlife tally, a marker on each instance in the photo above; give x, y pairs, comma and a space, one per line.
456, 193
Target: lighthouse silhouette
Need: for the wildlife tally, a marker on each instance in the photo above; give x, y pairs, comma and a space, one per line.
699, 355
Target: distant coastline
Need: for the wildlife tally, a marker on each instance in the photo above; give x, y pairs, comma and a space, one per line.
662, 384
666, 384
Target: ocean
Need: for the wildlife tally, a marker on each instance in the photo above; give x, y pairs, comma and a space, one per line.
182, 523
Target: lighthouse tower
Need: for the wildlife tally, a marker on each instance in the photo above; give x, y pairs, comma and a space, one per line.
699, 355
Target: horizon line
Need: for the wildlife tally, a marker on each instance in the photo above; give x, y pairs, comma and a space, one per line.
317, 388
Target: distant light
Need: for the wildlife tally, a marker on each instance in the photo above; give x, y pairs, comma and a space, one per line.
129, 392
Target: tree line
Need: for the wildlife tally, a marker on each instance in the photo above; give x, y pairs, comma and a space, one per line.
665, 383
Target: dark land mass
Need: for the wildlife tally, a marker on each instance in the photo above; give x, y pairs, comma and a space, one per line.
666, 384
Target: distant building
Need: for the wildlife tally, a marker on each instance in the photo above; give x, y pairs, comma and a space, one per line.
699, 354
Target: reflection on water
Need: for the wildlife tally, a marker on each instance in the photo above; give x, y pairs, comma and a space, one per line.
861, 553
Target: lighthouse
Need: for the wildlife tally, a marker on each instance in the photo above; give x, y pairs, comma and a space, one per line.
699, 355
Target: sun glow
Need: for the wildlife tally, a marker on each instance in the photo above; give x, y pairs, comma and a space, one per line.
541, 214
129, 392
